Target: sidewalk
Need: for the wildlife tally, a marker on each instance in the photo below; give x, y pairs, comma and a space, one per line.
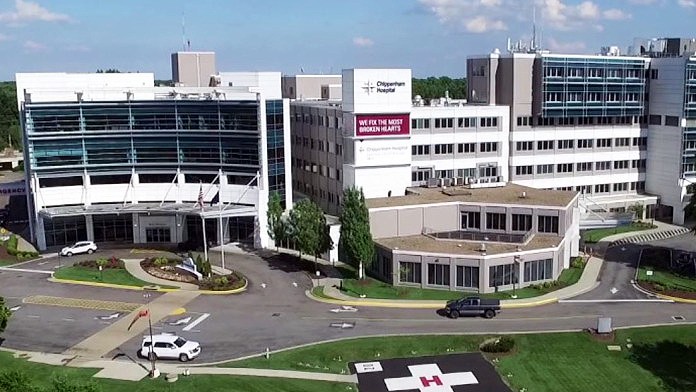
662, 231
111, 337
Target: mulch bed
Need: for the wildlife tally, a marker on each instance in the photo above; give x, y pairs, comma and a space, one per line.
602, 337
649, 286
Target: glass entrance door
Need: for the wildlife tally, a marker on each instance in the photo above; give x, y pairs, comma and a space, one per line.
158, 234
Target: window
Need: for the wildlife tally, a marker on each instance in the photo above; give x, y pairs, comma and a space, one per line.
487, 171
574, 97
613, 97
622, 142
618, 165
420, 175
538, 270
654, 74
471, 220
467, 276
601, 188
632, 97
439, 274
466, 148
638, 164
501, 275
620, 187
594, 73
488, 122
420, 150
583, 166
585, 143
672, 121
466, 122
521, 222
553, 72
495, 221
554, 97
655, 119
524, 146
604, 143
409, 272
640, 141
544, 169
488, 147
564, 168
420, 123
566, 144
603, 165
547, 224
524, 121
444, 149
545, 145
444, 122
157, 234
524, 170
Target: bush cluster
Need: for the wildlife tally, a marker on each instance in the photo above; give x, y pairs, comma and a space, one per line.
222, 283
578, 262
11, 246
503, 344
112, 263
546, 285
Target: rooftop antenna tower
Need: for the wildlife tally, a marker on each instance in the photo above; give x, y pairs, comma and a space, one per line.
187, 43
534, 40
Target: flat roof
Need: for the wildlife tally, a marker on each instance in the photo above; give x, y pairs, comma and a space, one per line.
207, 211
510, 194
423, 243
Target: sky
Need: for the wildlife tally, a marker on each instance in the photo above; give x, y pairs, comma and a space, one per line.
432, 37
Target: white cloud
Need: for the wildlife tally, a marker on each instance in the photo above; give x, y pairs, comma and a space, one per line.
33, 46
687, 3
643, 2
482, 24
615, 14
362, 42
28, 11
4, 37
480, 16
566, 47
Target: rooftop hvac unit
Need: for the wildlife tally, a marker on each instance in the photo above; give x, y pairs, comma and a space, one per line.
432, 183
459, 181
446, 181
500, 178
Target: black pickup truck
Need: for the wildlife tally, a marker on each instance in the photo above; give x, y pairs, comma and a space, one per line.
472, 306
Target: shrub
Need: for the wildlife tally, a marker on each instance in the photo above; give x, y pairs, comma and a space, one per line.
578, 262
11, 245
15, 381
658, 287
503, 344
161, 261
221, 283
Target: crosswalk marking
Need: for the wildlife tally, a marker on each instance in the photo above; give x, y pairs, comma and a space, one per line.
647, 237
81, 303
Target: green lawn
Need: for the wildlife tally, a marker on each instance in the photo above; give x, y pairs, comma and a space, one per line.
111, 275
667, 280
373, 288
661, 359
7, 262
593, 236
41, 375
334, 357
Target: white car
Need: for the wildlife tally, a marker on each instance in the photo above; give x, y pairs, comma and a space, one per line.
169, 346
79, 247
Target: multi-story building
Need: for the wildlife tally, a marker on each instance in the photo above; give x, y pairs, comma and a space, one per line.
377, 139
577, 122
671, 157
109, 157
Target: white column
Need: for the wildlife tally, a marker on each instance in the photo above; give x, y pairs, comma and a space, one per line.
89, 225
40, 233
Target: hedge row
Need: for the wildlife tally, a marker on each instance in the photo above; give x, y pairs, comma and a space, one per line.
11, 246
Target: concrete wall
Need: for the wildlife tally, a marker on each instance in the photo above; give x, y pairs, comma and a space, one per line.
193, 69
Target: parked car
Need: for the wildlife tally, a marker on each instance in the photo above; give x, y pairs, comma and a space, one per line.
472, 306
168, 345
79, 247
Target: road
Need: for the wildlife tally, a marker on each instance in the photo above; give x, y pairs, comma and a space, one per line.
280, 315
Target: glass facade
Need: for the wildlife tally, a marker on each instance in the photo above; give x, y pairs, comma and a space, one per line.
592, 86
688, 168
194, 136
276, 148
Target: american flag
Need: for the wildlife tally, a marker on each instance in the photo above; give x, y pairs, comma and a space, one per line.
200, 196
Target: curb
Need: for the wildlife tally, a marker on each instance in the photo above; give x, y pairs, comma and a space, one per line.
661, 296
146, 288
675, 299
387, 304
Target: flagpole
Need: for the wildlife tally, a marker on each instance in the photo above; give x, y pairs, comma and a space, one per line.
152, 342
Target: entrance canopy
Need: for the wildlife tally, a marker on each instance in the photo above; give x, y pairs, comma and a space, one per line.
207, 212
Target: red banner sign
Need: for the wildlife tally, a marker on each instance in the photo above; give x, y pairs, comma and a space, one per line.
382, 125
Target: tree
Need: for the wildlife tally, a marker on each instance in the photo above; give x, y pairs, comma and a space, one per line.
637, 209
356, 238
308, 227
4, 315
276, 225
433, 87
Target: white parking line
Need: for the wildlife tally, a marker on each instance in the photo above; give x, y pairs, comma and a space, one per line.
68, 319
32, 316
196, 322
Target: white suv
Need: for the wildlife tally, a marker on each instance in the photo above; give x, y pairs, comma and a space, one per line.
169, 346
79, 247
